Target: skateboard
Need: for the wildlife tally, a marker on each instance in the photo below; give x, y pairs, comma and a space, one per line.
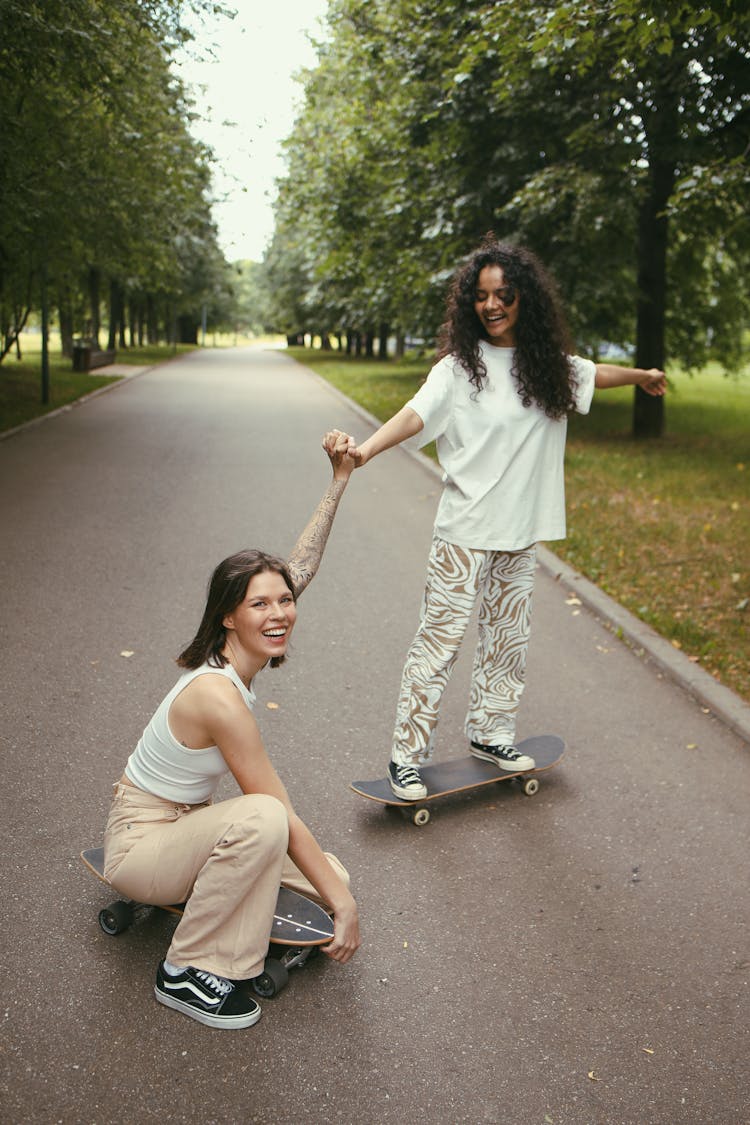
460, 774
299, 927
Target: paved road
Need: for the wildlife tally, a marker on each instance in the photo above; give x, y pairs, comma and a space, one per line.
575, 958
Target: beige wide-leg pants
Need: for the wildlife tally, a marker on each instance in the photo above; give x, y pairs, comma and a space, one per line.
226, 861
503, 582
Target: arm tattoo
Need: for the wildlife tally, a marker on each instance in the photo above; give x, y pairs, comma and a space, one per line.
305, 558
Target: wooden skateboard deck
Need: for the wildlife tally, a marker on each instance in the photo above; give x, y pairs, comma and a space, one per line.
459, 774
298, 924
296, 920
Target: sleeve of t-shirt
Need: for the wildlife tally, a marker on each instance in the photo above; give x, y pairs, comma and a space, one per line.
584, 372
433, 402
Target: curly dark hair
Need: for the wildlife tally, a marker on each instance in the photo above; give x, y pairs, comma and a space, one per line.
226, 590
541, 368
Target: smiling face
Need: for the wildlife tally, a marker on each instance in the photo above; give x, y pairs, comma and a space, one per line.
496, 305
263, 621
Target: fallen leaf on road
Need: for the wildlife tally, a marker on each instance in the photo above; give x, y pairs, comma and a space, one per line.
593, 1077
126, 652
272, 706
647, 1050
572, 600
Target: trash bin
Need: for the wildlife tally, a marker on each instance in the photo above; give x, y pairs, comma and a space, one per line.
81, 355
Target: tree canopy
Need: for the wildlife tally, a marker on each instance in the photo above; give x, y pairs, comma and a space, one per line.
101, 183
610, 136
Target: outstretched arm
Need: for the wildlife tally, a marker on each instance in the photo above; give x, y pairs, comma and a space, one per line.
305, 558
653, 381
401, 426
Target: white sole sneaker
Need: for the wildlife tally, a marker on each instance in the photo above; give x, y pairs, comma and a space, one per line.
414, 792
516, 765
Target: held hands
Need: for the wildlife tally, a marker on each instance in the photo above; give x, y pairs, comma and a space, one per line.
342, 452
653, 381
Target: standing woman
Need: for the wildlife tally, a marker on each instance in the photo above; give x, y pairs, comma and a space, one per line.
497, 404
167, 842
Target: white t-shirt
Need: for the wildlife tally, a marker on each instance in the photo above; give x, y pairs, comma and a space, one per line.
163, 766
502, 461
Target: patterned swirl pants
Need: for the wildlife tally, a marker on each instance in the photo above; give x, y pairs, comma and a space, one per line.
503, 581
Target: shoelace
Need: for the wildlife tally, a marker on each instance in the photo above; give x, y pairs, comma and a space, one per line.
406, 774
218, 984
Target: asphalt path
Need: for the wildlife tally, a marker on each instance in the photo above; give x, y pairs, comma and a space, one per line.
574, 958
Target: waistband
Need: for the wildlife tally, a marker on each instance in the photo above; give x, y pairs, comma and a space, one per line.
144, 799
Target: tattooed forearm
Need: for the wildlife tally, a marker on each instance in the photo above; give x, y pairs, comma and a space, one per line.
305, 558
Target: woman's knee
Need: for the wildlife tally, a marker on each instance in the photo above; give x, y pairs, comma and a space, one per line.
265, 815
339, 868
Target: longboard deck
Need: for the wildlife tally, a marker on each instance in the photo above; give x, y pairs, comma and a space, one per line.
296, 921
459, 774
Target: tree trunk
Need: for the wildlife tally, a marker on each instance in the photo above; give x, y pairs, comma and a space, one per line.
65, 316
152, 320
94, 323
651, 298
370, 344
383, 334
116, 313
187, 329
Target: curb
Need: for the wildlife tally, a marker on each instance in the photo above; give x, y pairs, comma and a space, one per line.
721, 701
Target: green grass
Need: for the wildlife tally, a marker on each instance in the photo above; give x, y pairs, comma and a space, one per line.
662, 526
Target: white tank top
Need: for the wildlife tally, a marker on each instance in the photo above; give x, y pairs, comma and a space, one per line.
163, 766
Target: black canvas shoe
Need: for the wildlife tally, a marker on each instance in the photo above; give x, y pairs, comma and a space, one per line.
406, 782
207, 998
504, 757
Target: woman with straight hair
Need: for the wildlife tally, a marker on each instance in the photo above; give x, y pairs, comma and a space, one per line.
497, 403
166, 841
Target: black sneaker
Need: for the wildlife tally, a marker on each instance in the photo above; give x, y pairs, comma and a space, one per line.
505, 757
207, 998
406, 782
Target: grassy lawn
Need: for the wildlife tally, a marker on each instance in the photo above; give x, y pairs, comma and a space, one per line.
662, 526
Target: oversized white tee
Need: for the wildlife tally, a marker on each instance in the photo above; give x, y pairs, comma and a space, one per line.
503, 462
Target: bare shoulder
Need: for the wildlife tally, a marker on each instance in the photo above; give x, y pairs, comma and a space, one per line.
210, 691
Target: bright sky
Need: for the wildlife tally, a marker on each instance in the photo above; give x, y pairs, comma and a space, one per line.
250, 82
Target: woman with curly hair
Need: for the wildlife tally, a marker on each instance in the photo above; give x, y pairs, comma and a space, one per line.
496, 403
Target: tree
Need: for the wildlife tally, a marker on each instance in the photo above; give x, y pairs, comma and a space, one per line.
645, 100
597, 132
101, 182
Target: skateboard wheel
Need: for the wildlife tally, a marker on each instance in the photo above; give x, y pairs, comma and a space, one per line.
273, 978
531, 786
421, 816
116, 918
